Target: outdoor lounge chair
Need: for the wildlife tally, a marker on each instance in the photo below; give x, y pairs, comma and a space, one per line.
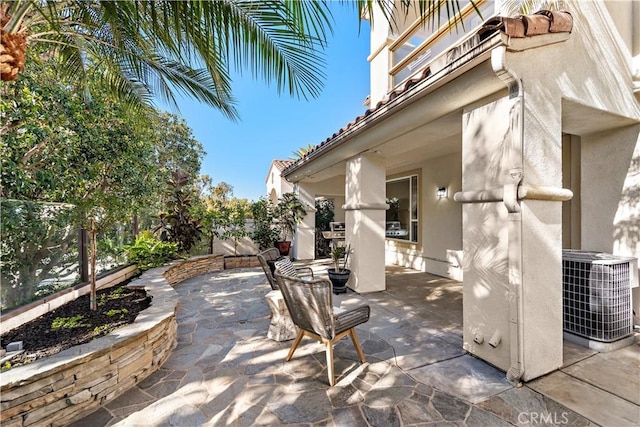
311, 307
268, 259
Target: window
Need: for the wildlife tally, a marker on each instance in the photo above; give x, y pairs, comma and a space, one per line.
402, 215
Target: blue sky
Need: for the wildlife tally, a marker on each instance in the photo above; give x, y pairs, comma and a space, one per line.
273, 126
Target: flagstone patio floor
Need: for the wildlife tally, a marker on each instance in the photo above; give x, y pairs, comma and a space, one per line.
225, 371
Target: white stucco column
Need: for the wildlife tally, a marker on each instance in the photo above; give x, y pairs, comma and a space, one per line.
365, 222
512, 233
304, 246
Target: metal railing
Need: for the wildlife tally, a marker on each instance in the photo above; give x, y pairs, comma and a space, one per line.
416, 47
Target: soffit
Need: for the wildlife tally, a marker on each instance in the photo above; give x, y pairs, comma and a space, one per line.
580, 119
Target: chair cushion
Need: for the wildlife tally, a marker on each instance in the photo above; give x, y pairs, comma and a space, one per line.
286, 268
272, 264
351, 318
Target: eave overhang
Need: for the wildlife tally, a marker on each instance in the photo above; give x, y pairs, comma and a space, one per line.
442, 88
473, 67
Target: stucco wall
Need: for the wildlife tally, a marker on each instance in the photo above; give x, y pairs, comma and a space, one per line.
581, 86
439, 250
379, 58
442, 218
486, 235
246, 246
611, 202
599, 106
626, 15
276, 185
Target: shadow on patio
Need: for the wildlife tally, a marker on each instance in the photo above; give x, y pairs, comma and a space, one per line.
225, 371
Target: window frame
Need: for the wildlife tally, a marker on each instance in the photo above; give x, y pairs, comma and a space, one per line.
413, 227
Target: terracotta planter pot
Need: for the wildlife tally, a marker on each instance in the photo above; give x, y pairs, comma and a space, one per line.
339, 280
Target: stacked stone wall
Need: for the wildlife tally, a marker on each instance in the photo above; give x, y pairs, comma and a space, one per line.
192, 267
241, 261
60, 389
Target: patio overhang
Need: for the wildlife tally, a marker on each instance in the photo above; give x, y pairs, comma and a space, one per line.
423, 115
419, 116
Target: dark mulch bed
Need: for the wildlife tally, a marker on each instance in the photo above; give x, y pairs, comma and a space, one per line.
117, 306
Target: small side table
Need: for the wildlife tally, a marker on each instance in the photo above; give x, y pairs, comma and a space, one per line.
281, 327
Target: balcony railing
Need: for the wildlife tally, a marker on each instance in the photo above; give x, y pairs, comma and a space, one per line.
417, 47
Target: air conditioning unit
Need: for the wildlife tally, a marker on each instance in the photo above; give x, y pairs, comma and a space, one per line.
597, 295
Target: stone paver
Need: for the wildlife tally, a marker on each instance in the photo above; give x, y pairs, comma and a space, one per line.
225, 371
466, 377
592, 402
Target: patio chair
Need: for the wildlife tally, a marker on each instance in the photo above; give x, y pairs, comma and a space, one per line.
268, 259
311, 307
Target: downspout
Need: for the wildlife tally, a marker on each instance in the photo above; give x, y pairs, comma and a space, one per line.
510, 200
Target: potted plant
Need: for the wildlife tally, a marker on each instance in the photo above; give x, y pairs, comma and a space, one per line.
288, 212
339, 275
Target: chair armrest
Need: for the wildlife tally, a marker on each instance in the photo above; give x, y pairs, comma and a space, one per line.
352, 318
304, 271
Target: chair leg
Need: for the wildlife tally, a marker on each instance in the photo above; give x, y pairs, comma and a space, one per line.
295, 344
329, 350
356, 344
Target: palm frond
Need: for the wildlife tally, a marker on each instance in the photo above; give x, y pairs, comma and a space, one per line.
429, 11
166, 46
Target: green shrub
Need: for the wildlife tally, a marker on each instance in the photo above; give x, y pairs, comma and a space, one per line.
115, 312
264, 233
149, 252
68, 322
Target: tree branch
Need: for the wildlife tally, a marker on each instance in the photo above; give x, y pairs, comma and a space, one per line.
33, 151
9, 126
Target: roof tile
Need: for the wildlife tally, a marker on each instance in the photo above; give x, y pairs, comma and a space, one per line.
282, 164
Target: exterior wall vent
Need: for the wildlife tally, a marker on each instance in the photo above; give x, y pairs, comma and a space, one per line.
597, 295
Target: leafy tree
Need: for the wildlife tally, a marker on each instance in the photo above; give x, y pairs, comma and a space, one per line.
99, 157
176, 148
264, 233
208, 207
287, 213
232, 220
178, 224
140, 49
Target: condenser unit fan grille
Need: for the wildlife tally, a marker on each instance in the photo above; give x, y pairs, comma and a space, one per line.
596, 295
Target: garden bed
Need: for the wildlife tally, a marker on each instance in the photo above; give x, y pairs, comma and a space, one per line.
75, 323
73, 383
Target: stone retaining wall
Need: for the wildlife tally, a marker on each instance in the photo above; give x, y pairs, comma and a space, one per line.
71, 384
192, 267
241, 261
